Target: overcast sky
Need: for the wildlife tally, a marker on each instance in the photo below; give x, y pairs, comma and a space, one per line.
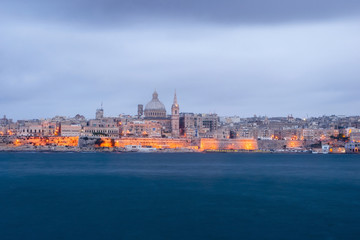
231, 57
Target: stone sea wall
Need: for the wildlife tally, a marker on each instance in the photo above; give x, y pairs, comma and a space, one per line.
279, 144
228, 144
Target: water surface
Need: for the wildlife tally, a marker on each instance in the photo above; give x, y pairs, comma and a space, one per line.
179, 196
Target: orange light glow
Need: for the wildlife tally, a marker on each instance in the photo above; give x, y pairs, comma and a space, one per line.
51, 141
228, 144
159, 143
17, 142
57, 131
294, 144
294, 137
106, 143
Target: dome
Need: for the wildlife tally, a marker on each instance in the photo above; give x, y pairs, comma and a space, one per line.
155, 109
155, 103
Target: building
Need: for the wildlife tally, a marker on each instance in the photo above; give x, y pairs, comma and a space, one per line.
104, 127
140, 110
175, 118
99, 113
198, 125
49, 128
70, 130
155, 109
145, 128
33, 130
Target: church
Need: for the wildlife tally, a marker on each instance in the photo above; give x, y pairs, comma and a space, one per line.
155, 110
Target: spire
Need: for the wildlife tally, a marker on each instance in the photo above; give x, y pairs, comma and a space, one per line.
175, 98
155, 95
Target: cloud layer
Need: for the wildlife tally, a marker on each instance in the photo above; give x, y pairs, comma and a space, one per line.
236, 58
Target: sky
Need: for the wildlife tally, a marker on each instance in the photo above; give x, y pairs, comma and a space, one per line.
230, 57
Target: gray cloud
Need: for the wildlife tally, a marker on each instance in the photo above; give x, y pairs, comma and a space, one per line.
115, 12
228, 58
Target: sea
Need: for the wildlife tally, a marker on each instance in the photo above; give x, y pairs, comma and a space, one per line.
179, 196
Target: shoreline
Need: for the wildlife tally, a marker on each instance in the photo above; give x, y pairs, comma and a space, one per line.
163, 152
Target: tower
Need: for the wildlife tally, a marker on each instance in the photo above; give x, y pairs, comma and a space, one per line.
140, 110
99, 112
175, 118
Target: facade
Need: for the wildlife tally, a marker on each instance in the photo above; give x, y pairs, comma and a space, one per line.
146, 128
70, 130
198, 125
352, 147
106, 127
49, 128
355, 137
34, 130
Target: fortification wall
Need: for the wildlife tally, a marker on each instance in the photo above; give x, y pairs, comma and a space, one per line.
154, 142
47, 141
228, 144
279, 144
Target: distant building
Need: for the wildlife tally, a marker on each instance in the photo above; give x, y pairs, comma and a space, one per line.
106, 127
49, 128
175, 118
33, 130
145, 128
99, 113
5, 121
355, 137
140, 110
72, 130
155, 109
198, 125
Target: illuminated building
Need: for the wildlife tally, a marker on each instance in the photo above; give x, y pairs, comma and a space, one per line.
352, 147
48, 128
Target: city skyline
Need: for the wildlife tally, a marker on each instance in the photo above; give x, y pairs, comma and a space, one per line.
271, 58
112, 113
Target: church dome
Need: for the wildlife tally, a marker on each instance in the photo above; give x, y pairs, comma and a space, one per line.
155, 109
155, 103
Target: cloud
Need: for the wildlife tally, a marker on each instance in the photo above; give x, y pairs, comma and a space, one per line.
107, 13
66, 57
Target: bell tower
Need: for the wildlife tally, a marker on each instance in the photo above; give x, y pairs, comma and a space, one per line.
175, 118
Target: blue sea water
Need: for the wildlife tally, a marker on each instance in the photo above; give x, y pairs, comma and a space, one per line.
179, 196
